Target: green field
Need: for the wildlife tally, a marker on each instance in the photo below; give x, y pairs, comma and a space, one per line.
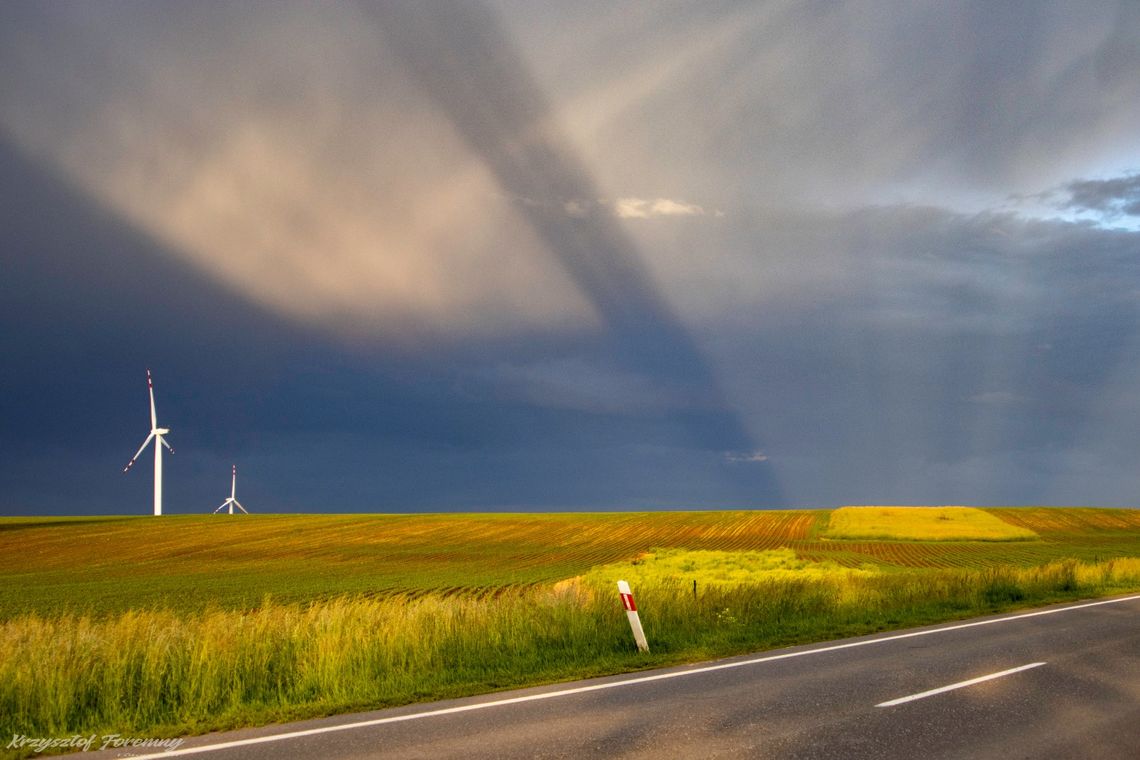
187, 563
185, 624
103, 565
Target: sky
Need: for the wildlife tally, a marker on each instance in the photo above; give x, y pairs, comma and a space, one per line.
536, 255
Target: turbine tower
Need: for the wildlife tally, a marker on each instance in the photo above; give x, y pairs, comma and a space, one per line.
157, 434
232, 501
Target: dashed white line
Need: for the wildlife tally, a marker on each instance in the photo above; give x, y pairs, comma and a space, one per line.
959, 685
626, 682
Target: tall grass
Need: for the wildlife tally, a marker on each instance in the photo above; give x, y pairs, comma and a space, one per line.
159, 670
163, 673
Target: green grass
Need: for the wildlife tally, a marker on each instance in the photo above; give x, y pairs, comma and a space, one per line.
164, 627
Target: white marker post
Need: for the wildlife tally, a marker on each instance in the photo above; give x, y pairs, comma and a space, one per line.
631, 613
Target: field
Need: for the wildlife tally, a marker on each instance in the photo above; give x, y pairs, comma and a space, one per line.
187, 563
923, 524
163, 627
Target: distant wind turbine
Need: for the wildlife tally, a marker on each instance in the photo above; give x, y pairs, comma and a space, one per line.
232, 501
157, 434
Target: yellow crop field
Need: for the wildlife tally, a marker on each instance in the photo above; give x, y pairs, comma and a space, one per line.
719, 568
923, 524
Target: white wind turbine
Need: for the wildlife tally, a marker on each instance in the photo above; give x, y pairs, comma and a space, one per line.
157, 434
232, 501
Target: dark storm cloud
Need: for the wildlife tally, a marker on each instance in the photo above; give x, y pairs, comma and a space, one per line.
98, 294
467, 65
368, 251
88, 302
1112, 197
962, 355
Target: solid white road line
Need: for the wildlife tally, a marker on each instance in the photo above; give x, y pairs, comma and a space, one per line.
959, 685
617, 684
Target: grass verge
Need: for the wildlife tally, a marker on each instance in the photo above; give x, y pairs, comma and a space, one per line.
160, 673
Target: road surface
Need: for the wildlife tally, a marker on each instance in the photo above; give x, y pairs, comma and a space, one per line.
1061, 682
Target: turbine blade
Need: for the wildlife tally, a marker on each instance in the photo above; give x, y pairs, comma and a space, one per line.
136, 456
167, 445
150, 388
239, 506
220, 507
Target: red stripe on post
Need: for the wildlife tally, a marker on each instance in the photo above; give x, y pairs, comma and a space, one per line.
627, 601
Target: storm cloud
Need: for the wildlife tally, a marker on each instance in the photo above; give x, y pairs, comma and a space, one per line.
400, 256
1112, 197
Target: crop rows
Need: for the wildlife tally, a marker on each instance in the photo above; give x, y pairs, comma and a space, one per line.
105, 565
190, 562
1081, 521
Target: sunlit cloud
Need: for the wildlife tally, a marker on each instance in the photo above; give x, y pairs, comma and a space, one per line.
641, 208
622, 208
327, 206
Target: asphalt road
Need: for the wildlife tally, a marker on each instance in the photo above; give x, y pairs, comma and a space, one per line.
1063, 682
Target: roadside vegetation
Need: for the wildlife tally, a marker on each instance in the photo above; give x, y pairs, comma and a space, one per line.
190, 663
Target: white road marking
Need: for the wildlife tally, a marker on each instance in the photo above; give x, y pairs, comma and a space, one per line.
616, 684
959, 685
